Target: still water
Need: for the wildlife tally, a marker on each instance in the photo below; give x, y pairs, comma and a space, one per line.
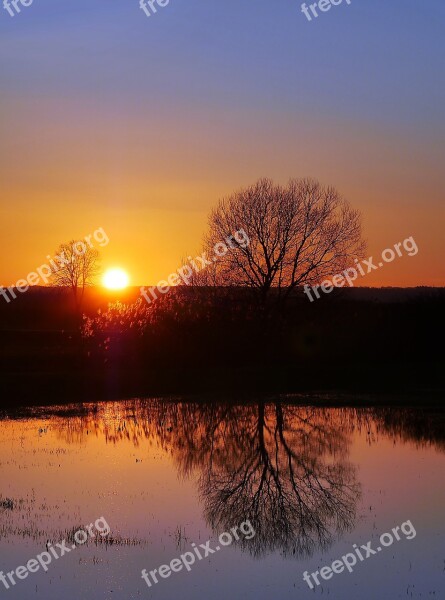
164, 475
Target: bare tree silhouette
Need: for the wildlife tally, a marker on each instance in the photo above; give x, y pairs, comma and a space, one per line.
299, 234
77, 268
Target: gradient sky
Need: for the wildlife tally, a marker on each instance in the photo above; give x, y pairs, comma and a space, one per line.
138, 125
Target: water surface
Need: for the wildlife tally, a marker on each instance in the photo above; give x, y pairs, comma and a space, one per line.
166, 474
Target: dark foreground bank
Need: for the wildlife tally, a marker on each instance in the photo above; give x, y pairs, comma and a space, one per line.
385, 342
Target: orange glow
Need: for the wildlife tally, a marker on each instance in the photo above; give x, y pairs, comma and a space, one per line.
154, 220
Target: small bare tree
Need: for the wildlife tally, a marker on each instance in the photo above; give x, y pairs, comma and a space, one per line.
299, 234
78, 265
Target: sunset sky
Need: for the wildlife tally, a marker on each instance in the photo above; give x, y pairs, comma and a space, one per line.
139, 125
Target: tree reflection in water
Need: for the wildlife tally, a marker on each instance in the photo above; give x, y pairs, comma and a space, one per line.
282, 466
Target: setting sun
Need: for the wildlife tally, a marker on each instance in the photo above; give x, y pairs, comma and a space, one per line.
115, 279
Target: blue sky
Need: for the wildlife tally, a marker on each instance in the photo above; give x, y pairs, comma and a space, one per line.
371, 60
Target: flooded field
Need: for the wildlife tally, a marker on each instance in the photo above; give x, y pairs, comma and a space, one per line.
156, 479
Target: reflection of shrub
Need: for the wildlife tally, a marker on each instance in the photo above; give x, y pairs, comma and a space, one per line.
7, 504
